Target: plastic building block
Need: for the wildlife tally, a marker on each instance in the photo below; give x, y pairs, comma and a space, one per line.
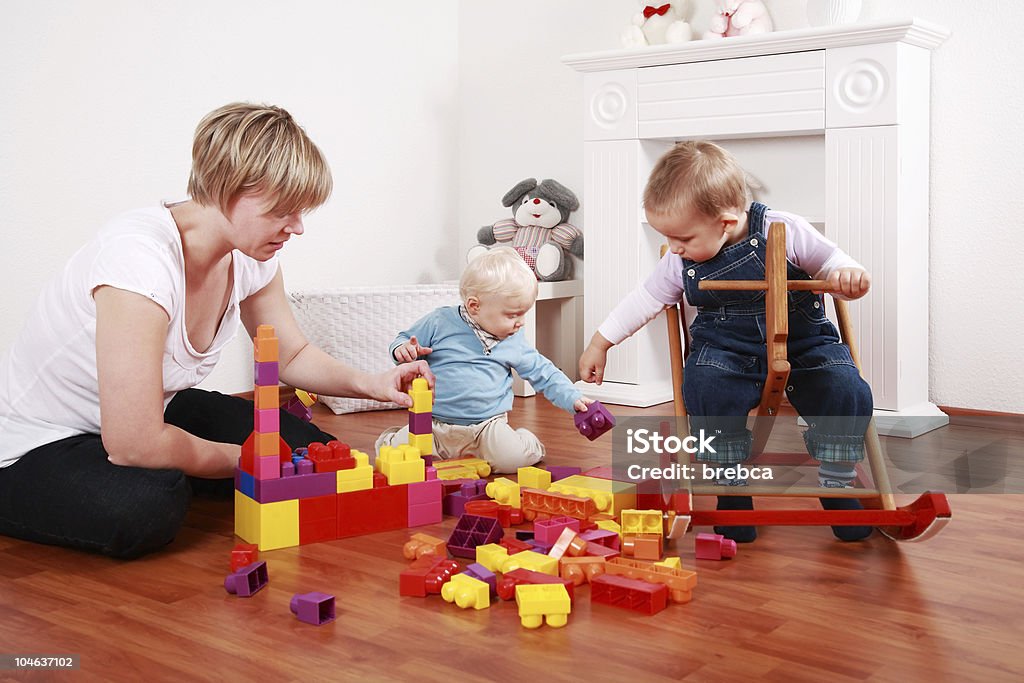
318, 519
670, 562
679, 582
559, 472
595, 421
331, 457
480, 467
548, 530
714, 547
610, 497
482, 573
427, 491
358, 478
517, 577
422, 396
265, 344
543, 603
422, 544
401, 464
642, 546
580, 570
529, 559
549, 504
504, 491
247, 581
301, 405
534, 478
598, 550
421, 514
296, 486
245, 482
638, 596
482, 508
426, 576
244, 554
454, 504
466, 591
609, 539
514, 545
642, 521
567, 540
609, 525
269, 525
472, 531
378, 509
313, 608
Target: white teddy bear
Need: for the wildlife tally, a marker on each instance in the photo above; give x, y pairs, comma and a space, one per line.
739, 18
657, 24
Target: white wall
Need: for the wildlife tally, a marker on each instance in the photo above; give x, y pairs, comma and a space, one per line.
100, 99
521, 113
428, 118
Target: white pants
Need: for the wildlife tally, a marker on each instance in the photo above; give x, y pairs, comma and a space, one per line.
504, 448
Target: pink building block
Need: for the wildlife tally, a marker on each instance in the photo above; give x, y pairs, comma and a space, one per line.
714, 547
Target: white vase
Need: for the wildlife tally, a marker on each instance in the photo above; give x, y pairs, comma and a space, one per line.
832, 12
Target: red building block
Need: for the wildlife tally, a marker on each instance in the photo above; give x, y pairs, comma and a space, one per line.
638, 596
318, 519
372, 510
244, 554
426, 575
714, 547
508, 582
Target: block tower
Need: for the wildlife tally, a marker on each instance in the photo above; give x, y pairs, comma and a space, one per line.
326, 491
421, 435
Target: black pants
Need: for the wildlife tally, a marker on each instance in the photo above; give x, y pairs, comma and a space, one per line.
67, 493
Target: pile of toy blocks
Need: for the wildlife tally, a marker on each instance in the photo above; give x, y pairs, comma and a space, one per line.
285, 498
585, 530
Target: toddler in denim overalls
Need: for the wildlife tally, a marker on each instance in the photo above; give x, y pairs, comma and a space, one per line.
696, 198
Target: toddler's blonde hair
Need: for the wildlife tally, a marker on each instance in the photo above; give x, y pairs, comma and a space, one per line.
696, 174
500, 271
243, 148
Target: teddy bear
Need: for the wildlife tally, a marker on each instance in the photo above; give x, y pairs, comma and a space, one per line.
657, 24
739, 18
538, 230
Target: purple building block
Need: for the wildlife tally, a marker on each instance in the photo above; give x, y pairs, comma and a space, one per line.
608, 539
296, 486
563, 472
478, 571
454, 504
313, 608
265, 373
420, 423
247, 580
471, 531
595, 422
298, 409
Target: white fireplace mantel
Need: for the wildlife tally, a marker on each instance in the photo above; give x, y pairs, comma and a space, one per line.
861, 90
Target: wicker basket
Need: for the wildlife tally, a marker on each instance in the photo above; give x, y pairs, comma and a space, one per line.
356, 325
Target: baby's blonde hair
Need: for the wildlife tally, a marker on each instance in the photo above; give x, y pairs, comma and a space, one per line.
245, 148
696, 174
500, 271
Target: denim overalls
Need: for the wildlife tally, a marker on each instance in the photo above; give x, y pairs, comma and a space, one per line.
727, 364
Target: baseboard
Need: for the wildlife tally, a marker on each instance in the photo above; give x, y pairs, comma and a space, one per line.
987, 419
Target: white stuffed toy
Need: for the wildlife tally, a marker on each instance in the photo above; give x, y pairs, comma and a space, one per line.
739, 18
657, 24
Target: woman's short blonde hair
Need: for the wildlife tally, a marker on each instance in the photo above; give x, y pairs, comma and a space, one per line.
500, 271
696, 174
243, 148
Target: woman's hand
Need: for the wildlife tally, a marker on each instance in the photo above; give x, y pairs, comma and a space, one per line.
393, 385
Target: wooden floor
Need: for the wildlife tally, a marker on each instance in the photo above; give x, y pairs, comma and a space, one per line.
796, 605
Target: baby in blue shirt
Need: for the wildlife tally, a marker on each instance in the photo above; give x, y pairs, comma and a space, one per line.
472, 350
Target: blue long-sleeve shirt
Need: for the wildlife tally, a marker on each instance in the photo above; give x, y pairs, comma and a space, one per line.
473, 386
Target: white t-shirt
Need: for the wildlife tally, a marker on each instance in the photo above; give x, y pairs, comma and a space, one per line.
48, 385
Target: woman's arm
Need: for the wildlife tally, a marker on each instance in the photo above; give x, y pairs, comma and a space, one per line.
304, 365
131, 332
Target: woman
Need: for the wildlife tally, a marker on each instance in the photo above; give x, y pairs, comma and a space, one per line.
102, 432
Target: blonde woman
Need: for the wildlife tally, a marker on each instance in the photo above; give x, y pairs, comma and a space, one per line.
104, 435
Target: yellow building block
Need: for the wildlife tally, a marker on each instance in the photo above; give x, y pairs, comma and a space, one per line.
423, 442
529, 559
540, 602
609, 525
609, 497
270, 525
505, 491
534, 478
466, 591
359, 478
492, 556
422, 397
401, 464
670, 562
446, 473
642, 522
